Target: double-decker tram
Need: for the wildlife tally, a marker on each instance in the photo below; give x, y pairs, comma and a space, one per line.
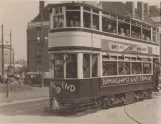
99, 59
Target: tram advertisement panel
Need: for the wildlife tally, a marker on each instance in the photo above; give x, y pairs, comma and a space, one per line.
109, 81
126, 47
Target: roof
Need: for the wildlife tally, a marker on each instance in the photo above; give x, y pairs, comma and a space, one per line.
154, 11
117, 8
120, 9
45, 13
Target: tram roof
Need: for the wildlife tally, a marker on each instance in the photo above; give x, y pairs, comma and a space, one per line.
114, 8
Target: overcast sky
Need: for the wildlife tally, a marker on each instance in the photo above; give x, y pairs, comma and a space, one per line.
15, 14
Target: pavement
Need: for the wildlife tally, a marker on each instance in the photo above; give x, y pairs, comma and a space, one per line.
33, 94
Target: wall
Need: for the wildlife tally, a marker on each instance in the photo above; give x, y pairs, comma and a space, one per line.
32, 46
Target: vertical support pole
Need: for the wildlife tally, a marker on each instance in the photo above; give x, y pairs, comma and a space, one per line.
130, 28
151, 37
100, 65
64, 15
81, 16
80, 65
100, 20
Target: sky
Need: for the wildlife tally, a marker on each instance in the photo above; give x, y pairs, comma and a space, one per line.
15, 14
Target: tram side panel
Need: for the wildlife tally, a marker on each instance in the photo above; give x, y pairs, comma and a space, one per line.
125, 85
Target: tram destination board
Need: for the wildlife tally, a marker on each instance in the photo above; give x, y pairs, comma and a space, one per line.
110, 81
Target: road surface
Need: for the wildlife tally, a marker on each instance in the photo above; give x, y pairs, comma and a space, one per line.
145, 112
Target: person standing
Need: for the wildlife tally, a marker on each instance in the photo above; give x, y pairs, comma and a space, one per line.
156, 75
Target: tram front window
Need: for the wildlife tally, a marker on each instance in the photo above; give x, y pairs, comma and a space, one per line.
109, 68
73, 18
59, 66
147, 68
86, 65
94, 65
58, 18
71, 66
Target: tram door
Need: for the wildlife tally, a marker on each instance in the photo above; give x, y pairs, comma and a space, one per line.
95, 80
156, 72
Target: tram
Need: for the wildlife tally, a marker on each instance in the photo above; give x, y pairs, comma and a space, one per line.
99, 59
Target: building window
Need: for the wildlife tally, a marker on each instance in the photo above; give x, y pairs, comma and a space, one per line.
109, 68
58, 18
86, 65
71, 66
39, 59
59, 66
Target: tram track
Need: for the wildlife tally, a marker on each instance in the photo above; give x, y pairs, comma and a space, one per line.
132, 118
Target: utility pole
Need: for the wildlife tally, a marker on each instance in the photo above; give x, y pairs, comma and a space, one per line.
2, 51
10, 47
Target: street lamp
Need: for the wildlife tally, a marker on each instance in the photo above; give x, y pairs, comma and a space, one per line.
42, 41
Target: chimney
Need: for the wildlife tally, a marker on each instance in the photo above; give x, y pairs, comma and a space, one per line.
146, 8
41, 6
131, 7
140, 9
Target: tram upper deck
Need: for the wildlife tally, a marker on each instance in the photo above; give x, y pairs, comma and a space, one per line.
80, 26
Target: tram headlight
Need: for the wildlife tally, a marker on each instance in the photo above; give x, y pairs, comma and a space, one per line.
57, 90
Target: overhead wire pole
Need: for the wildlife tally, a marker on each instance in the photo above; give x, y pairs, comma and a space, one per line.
10, 47
2, 51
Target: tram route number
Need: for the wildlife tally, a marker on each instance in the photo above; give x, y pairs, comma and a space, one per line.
125, 80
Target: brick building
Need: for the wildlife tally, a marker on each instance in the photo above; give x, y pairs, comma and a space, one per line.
37, 54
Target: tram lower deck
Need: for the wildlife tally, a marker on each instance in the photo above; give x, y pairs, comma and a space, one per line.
101, 80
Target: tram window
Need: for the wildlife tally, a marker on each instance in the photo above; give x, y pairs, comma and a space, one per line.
87, 20
158, 37
120, 58
124, 29
59, 66
113, 57
109, 68
124, 68
146, 34
135, 32
95, 22
71, 66
154, 36
94, 65
73, 18
72, 7
58, 18
58, 21
146, 68
136, 68
87, 9
109, 25
86, 65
